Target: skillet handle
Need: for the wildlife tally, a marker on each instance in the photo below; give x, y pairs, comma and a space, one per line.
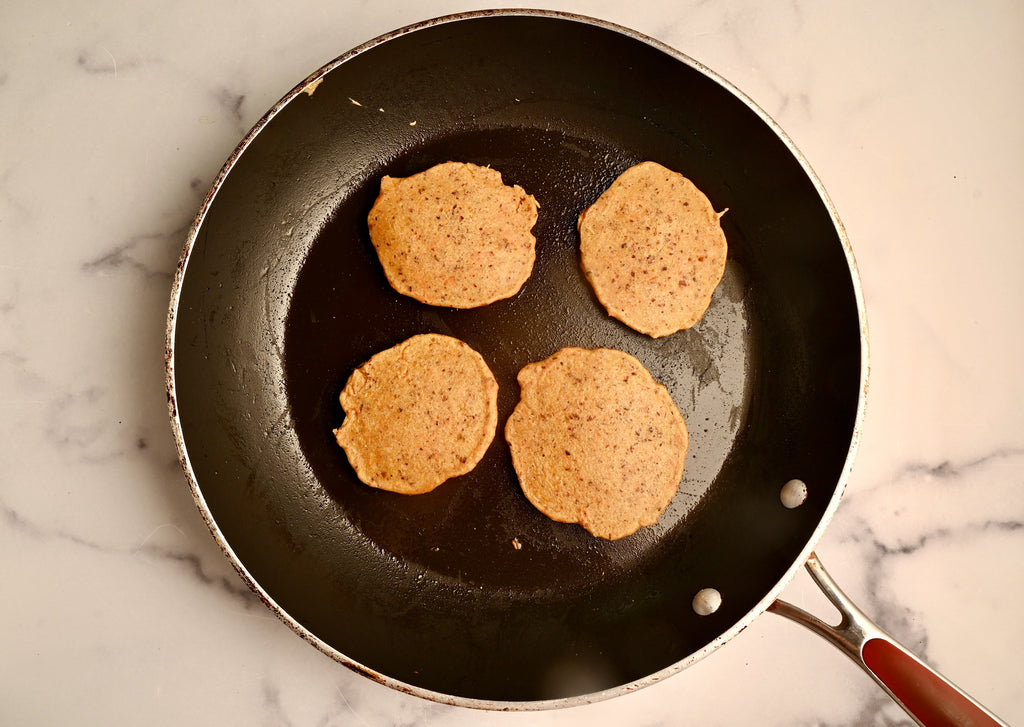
927, 696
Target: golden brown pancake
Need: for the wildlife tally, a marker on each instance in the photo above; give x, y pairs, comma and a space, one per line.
653, 250
597, 441
454, 235
418, 413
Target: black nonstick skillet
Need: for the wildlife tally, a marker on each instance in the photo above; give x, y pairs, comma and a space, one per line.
468, 595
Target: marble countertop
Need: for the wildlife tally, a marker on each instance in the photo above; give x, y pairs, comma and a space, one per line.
119, 608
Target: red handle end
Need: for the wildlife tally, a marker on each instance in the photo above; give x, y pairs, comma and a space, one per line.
924, 693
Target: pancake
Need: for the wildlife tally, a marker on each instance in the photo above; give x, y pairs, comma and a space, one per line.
653, 250
597, 441
418, 414
454, 235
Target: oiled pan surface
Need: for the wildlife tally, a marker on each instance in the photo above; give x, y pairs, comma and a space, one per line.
468, 591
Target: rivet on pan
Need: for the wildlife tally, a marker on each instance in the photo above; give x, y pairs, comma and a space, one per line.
793, 493
707, 601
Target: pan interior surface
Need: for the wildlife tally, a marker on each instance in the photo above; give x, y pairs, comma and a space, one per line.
468, 591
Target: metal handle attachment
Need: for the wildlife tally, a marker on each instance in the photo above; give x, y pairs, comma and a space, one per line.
928, 697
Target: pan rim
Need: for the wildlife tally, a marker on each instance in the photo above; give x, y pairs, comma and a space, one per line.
307, 85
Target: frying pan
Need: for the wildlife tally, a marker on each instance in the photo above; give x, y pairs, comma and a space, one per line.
468, 595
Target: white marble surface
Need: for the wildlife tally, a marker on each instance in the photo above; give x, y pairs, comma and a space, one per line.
117, 606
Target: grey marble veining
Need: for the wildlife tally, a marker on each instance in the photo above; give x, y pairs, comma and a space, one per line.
119, 606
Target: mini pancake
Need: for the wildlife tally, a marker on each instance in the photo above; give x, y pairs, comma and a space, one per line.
653, 250
418, 414
597, 441
454, 235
